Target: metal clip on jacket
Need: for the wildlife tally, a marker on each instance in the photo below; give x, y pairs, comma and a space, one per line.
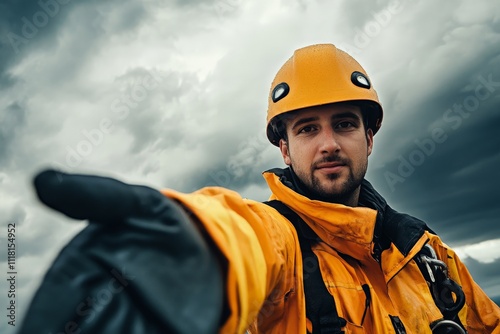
447, 294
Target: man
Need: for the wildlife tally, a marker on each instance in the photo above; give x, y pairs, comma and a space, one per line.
325, 255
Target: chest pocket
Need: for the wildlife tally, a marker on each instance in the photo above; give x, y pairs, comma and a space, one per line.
353, 297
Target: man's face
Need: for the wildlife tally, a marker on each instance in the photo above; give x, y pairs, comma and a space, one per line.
328, 148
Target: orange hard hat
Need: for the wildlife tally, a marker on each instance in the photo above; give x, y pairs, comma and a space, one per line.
318, 75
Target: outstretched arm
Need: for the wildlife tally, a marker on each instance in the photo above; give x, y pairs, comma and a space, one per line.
140, 266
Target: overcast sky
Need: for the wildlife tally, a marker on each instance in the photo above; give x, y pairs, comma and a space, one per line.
173, 93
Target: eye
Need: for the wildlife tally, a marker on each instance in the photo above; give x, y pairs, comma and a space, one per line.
345, 125
307, 129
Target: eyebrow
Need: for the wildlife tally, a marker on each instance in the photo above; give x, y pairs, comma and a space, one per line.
347, 114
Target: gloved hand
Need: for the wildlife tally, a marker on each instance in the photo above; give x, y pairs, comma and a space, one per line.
95, 198
140, 266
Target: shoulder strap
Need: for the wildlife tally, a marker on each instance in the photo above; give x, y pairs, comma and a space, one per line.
320, 305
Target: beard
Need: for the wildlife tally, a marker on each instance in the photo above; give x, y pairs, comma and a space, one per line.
347, 189
343, 192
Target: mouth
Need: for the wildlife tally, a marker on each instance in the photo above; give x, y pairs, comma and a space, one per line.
330, 167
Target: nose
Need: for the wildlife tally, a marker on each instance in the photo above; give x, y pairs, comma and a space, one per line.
328, 141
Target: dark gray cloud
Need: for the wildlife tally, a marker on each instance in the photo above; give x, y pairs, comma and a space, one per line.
357, 12
486, 274
25, 25
137, 107
444, 166
12, 118
15, 215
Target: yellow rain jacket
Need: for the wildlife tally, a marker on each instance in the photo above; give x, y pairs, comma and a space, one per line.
264, 286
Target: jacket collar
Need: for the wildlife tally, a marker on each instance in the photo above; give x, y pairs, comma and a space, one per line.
364, 231
341, 227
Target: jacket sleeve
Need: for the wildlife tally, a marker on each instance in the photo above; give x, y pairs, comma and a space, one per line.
258, 246
480, 313
139, 266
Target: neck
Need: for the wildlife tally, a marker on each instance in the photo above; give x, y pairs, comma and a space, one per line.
353, 198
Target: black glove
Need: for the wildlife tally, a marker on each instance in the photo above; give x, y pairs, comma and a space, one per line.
140, 266
96, 198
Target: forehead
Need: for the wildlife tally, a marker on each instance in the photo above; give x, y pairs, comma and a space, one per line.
325, 111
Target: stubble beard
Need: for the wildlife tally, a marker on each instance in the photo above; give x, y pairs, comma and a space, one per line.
344, 193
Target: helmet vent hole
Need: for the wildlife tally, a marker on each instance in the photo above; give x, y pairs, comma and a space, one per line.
280, 91
360, 80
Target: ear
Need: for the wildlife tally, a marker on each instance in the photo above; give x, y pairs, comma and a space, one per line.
369, 140
285, 152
